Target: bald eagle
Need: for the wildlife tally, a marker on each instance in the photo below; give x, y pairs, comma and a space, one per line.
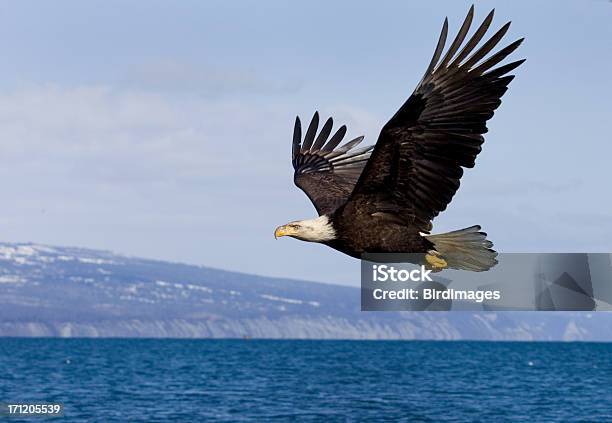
383, 198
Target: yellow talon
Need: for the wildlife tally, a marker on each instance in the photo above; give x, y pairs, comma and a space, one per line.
436, 262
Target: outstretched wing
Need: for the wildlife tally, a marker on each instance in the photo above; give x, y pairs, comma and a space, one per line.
417, 162
325, 172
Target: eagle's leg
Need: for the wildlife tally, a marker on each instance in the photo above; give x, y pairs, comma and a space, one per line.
435, 260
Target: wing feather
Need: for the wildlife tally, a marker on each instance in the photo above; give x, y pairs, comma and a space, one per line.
297, 138
439, 49
473, 42
458, 39
417, 163
310, 133
322, 137
325, 173
336, 139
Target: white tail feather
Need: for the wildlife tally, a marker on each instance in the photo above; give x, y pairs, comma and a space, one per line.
465, 249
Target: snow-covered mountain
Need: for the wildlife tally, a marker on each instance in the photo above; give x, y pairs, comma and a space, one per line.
58, 291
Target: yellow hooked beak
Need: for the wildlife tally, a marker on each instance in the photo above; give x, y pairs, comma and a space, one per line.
283, 231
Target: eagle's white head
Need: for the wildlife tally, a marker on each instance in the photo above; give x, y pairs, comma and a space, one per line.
319, 229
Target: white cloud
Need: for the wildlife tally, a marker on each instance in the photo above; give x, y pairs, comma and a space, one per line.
108, 135
203, 79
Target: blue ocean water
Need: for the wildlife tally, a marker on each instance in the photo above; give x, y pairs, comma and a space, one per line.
124, 380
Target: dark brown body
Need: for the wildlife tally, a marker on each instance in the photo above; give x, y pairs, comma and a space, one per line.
362, 231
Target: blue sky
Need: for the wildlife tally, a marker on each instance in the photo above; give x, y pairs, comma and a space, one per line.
162, 129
